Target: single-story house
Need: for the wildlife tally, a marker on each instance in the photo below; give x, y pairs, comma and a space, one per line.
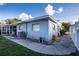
43, 27
74, 33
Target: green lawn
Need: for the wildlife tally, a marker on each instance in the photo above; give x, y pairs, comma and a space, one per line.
9, 48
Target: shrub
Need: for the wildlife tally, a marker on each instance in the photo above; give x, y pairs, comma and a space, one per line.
62, 32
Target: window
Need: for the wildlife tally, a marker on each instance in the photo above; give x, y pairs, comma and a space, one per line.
36, 27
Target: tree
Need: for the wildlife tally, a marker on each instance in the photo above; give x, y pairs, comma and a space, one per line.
65, 26
12, 21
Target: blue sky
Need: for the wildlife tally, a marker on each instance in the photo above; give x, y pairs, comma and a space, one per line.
13, 10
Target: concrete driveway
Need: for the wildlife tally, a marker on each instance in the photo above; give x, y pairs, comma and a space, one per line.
64, 47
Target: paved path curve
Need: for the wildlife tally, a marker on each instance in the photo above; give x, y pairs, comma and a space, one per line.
55, 49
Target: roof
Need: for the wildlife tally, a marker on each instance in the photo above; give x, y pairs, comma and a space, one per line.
45, 17
8, 25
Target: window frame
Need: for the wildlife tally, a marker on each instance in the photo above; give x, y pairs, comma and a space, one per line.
34, 27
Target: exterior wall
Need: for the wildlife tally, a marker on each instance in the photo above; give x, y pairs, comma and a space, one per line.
43, 30
74, 33
46, 30
22, 28
53, 29
77, 36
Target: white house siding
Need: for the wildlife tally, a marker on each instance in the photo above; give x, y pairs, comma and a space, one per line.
77, 39
77, 36
22, 28
53, 29
74, 33
43, 30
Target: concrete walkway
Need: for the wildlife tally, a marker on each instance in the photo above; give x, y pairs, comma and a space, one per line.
55, 49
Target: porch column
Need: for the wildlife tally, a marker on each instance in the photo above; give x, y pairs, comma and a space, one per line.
12, 31
9, 29
1, 29
6, 29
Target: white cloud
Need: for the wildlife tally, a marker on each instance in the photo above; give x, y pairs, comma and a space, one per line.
71, 19
24, 16
30, 16
60, 10
49, 10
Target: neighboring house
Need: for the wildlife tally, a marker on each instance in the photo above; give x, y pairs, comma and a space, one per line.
40, 27
74, 33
